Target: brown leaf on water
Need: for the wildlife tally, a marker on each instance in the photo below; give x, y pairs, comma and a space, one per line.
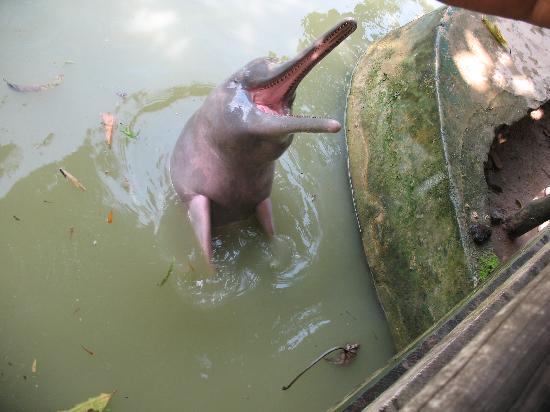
346, 356
109, 123
90, 352
35, 88
110, 217
72, 179
33, 366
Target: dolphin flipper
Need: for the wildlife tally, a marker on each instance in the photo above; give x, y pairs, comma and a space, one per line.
264, 215
199, 213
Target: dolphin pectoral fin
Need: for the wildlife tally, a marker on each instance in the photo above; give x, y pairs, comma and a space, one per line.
275, 125
265, 216
199, 213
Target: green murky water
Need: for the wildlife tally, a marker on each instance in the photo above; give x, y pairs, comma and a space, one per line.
71, 284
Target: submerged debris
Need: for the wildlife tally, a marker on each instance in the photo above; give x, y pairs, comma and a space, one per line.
168, 273
348, 354
35, 88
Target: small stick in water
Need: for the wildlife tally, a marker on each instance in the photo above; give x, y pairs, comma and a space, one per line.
72, 179
349, 352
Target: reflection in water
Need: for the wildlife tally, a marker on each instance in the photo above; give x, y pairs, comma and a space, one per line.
300, 325
10, 156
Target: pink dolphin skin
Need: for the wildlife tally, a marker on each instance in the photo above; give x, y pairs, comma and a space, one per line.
223, 163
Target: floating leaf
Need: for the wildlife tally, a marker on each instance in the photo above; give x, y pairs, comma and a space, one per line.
96, 404
497, 34
170, 270
127, 130
110, 217
109, 122
35, 88
72, 179
34, 366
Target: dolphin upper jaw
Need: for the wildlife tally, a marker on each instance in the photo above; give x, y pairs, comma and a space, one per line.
270, 86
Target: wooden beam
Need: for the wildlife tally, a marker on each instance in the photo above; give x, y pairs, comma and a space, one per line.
533, 214
505, 366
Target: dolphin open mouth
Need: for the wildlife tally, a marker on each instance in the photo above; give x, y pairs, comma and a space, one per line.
275, 95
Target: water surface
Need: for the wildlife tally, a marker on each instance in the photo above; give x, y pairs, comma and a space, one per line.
71, 284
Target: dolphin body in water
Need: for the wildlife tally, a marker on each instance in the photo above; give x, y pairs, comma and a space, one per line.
223, 163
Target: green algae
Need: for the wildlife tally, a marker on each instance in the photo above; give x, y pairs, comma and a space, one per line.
487, 265
401, 182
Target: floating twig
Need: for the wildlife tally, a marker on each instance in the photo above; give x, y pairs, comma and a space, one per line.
349, 352
72, 179
90, 352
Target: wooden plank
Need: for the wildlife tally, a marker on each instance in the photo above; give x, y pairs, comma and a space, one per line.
495, 370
